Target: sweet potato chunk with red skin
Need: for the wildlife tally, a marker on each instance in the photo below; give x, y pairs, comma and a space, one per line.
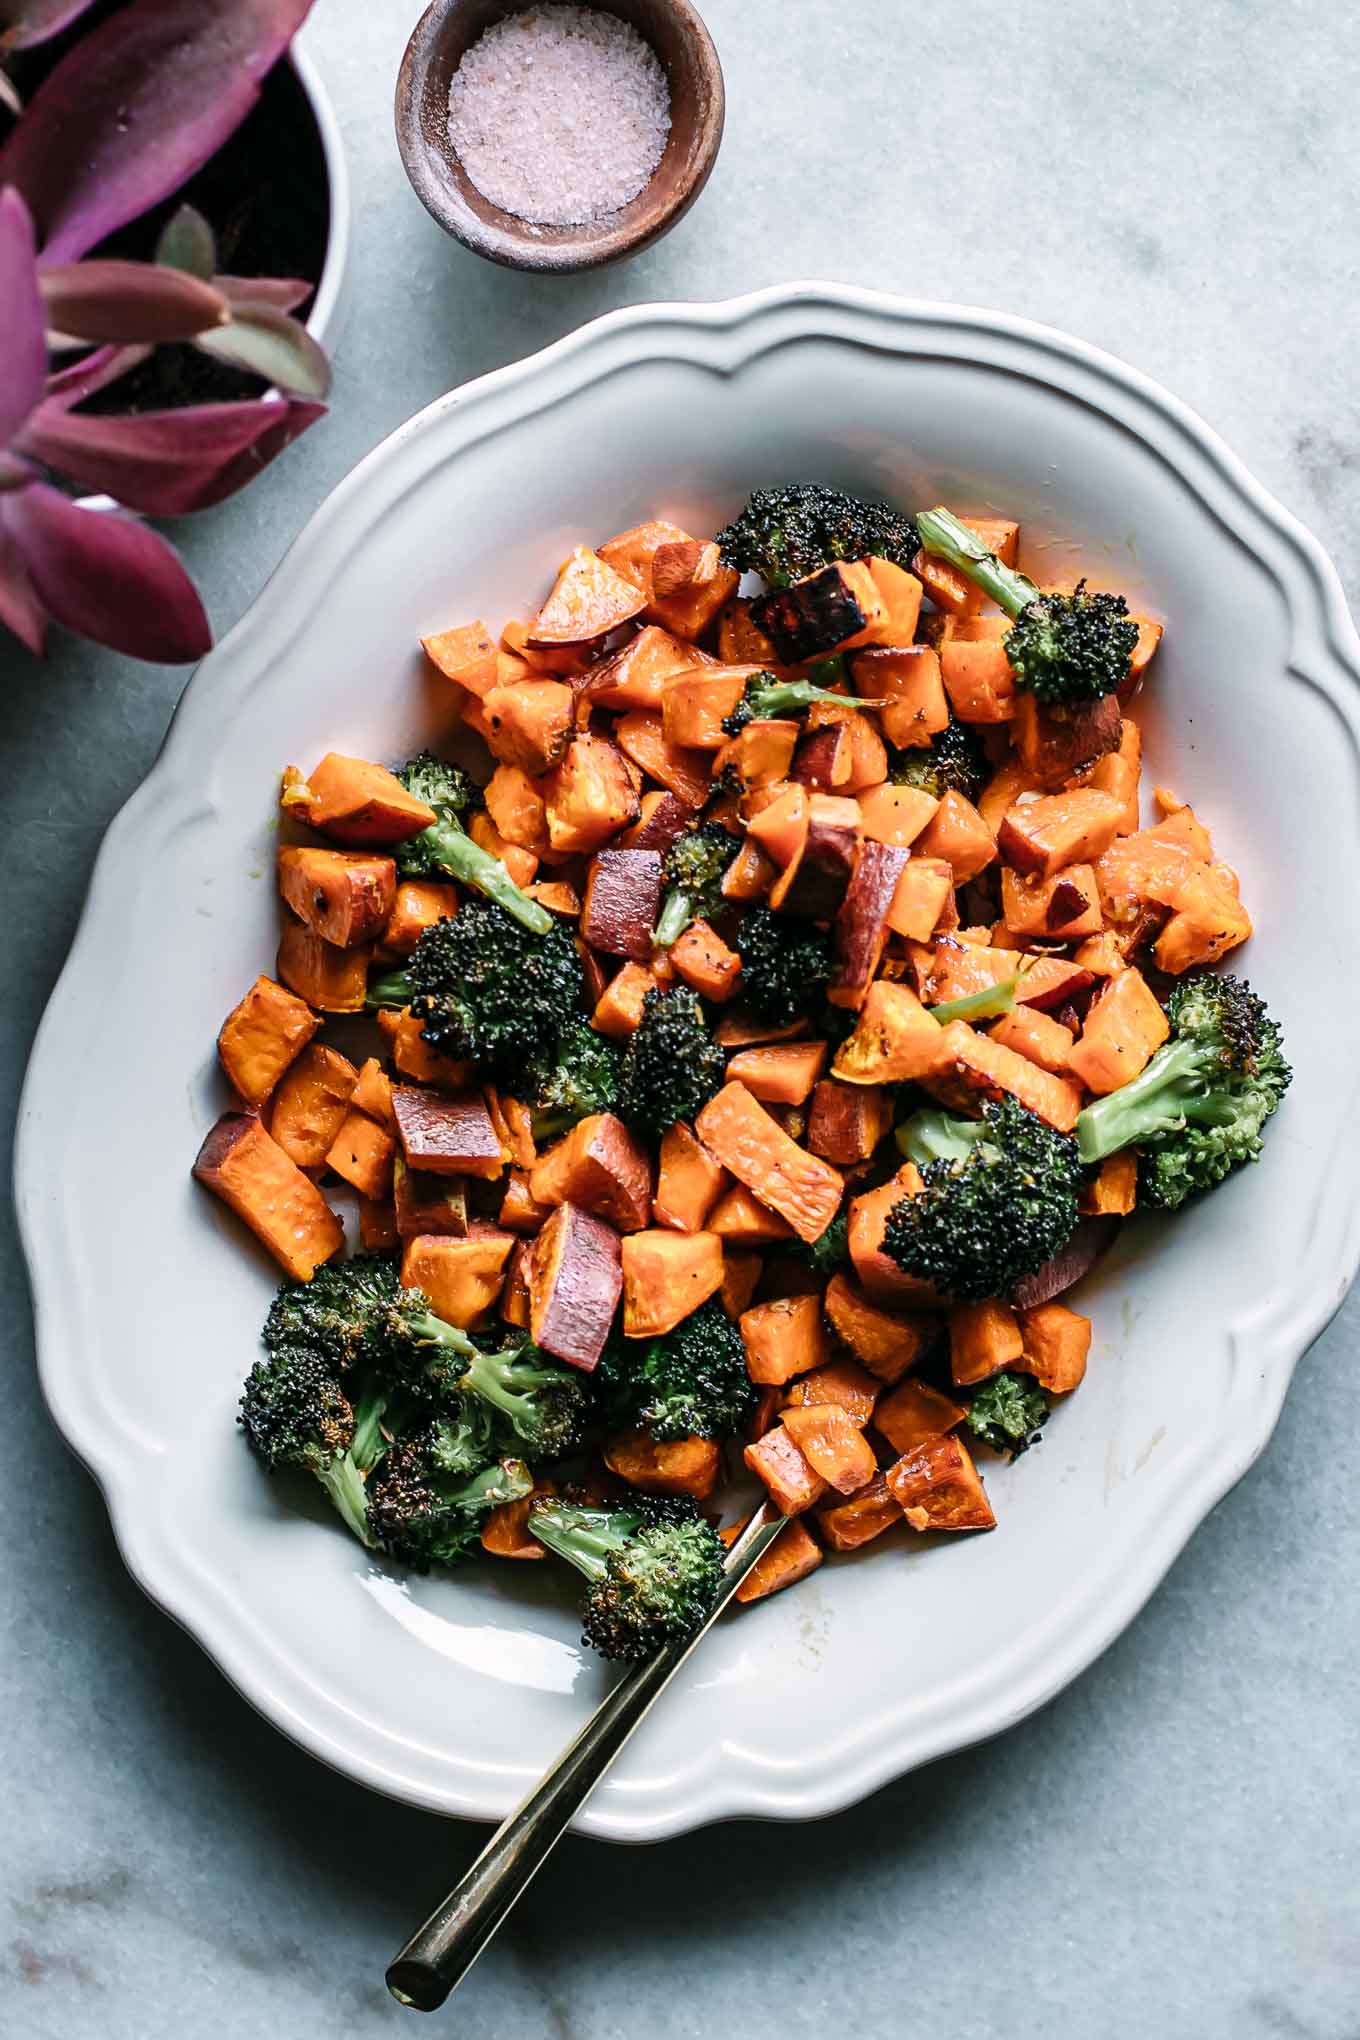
343, 896
789, 1481
335, 980
261, 1037
461, 1277
530, 723
861, 929
738, 1132
588, 796
419, 903
957, 833
937, 1487
913, 1413
588, 600
362, 1154
1037, 1035
575, 1278
895, 1040
682, 1466
1056, 1342
832, 1444
1064, 908
682, 578
977, 1063
689, 1181
310, 1104
249, 1171
792, 1556
602, 1167
884, 1343
846, 1122
1123, 1029
780, 1073
822, 759
1056, 745
360, 803
661, 819
622, 898
705, 962
905, 680
1113, 1192
377, 1226
666, 1276
783, 1338
842, 1382
685, 773
449, 1136
860, 1517
983, 1338
1041, 836
428, 1204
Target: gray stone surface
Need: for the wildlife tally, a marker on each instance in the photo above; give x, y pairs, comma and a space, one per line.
1173, 1843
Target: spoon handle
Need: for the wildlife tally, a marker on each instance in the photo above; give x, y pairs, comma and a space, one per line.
438, 1955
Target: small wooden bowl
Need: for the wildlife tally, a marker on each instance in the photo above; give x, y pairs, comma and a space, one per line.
448, 28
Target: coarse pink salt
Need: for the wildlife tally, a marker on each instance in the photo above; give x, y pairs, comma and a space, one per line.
560, 114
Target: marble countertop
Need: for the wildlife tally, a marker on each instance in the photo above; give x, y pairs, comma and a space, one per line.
1175, 1842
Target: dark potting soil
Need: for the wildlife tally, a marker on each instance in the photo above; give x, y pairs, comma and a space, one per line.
266, 198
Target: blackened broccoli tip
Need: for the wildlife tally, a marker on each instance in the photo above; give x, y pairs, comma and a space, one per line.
1008, 1413
1198, 1111
785, 533
654, 1569
671, 1064
445, 849
766, 697
785, 964
578, 1076
998, 1199
693, 872
443, 786
340, 1315
691, 1383
484, 988
422, 1515
295, 1413
952, 762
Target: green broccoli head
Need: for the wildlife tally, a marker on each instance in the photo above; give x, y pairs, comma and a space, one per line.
829, 1251
445, 850
538, 1407
425, 1516
341, 1315
578, 1076
952, 762
691, 1383
295, 1414
1199, 1109
783, 534
785, 964
486, 989
654, 1569
693, 872
1077, 647
998, 1200
1008, 1413
671, 1065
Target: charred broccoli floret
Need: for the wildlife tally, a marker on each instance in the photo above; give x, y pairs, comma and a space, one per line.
424, 1516
830, 1250
693, 872
1199, 1109
654, 1567
486, 990
998, 1199
1063, 648
671, 1066
765, 697
294, 1412
579, 1076
534, 1406
952, 762
341, 1315
691, 1383
445, 850
785, 964
1008, 1413
785, 533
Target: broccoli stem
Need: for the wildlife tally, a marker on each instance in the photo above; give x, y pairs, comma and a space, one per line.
989, 1004
783, 695
451, 847
369, 1444
344, 1484
386, 992
586, 1538
941, 533
437, 1331
1161, 1100
937, 1136
547, 1125
676, 915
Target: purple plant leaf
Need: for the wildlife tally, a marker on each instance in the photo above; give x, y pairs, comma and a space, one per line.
92, 372
106, 576
279, 293
26, 22
165, 463
23, 347
188, 242
269, 343
20, 609
136, 107
128, 302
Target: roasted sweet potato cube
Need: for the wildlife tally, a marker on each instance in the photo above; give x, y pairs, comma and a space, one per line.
466, 654
861, 1516
842, 1382
461, 1277
334, 980
666, 1276
881, 1340
686, 774
741, 1272
741, 1220
241, 1164
520, 863
447, 1135
696, 702
262, 1036
835, 608
978, 679
530, 723
1206, 922
792, 1556
832, 1444
310, 1104
979, 1063
1058, 745
1063, 908
780, 1073
878, 1273
515, 805
923, 893
738, 1132
1056, 1341
519, 1212
983, 1338
683, 579
681, 1466
846, 1122
428, 1204
1041, 836
622, 898
419, 903
937, 1487
377, 1225
689, 1181
619, 1010
601, 1166
635, 675
362, 1153
1038, 1036
1113, 1192
863, 924
413, 1056
706, 963
905, 680
358, 802
344, 896
661, 819
373, 1093
575, 1276
777, 1463
588, 600
957, 833
913, 1413
895, 815
514, 1308
505, 1529
895, 1040
588, 796
1123, 1029
783, 1338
